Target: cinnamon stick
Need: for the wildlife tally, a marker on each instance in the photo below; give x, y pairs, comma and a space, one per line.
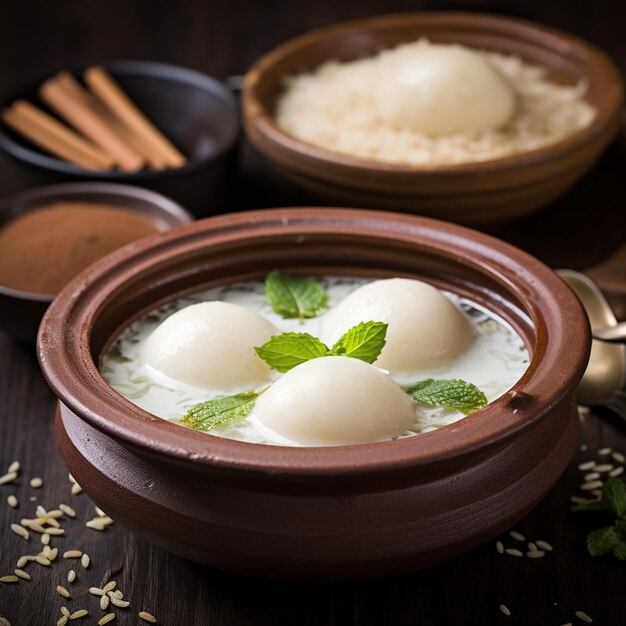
66, 81
122, 107
59, 97
46, 132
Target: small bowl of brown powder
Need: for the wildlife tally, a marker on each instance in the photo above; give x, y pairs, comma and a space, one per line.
50, 234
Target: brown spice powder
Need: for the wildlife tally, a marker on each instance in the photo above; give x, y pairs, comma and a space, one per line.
43, 249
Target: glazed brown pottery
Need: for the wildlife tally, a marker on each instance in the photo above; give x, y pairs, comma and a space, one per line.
21, 311
345, 512
488, 191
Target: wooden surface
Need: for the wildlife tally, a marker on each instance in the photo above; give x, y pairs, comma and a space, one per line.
582, 229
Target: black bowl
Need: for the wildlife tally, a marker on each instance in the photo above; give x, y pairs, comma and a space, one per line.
197, 112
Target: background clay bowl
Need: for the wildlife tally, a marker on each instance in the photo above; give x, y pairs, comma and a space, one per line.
197, 112
21, 311
317, 513
489, 191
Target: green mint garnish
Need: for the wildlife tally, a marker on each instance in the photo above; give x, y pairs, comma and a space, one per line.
207, 415
283, 352
295, 296
452, 394
364, 341
610, 539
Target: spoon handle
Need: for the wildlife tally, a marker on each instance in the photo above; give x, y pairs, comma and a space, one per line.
612, 334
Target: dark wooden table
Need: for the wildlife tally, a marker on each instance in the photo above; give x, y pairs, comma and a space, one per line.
578, 231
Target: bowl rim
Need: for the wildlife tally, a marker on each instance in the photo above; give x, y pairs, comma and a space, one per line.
25, 153
39, 196
256, 115
556, 313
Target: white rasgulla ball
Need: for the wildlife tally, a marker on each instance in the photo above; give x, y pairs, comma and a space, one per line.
335, 400
425, 330
210, 345
442, 89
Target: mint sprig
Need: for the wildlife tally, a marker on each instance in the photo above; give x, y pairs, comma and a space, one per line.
283, 352
364, 341
454, 394
295, 296
610, 539
212, 413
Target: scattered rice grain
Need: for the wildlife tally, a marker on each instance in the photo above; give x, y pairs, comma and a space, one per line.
582, 615
619, 457
594, 484
14, 468
544, 545
20, 531
95, 524
587, 465
9, 579
46, 551
604, 467
109, 586
55, 531
84, 561
76, 489
23, 560
146, 617
12, 501
42, 560
8, 478
68, 510
72, 554
45, 539
65, 611
605, 451
122, 604
500, 547
22, 574
62, 591
618, 471
71, 576
63, 621
532, 547
104, 602
514, 552
517, 536
505, 609
96, 591
53, 554
592, 476
579, 500
109, 617
79, 614
36, 482
100, 512
535, 554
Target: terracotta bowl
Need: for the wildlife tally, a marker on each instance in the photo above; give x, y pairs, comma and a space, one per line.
317, 513
21, 311
489, 191
197, 112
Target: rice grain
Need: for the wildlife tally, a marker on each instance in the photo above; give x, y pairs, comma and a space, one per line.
104, 602
595, 484
45, 539
544, 545
605, 451
79, 614
84, 561
514, 552
72, 554
109, 617
42, 560
146, 617
62, 591
122, 604
9, 579
20, 531
605, 467
587, 465
9, 477
36, 482
22, 574
96, 591
12, 501
76, 489
505, 609
535, 554
517, 536
109, 586
71, 576
500, 547
63, 621
618, 471
68, 510
583, 616
14, 468
617, 456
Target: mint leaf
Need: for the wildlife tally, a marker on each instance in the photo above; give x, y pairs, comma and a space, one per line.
602, 541
283, 352
453, 394
614, 494
363, 341
207, 415
294, 296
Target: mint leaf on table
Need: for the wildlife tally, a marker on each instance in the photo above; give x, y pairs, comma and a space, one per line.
364, 341
207, 415
602, 541
452, 394
285, 351
295, 296
610, 539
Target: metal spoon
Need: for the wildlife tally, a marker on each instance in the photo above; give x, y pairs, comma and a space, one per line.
605, 376
612, 334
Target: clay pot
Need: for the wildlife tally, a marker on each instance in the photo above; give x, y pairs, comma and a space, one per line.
489, 191
317, 513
